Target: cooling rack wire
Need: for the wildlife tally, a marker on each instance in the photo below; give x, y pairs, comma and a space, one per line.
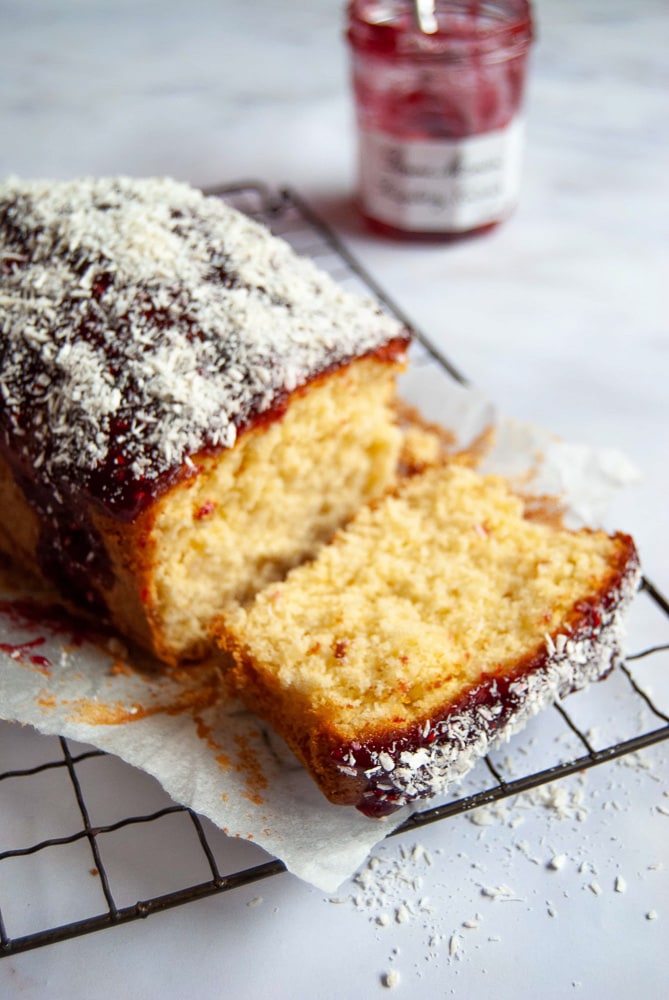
70, 879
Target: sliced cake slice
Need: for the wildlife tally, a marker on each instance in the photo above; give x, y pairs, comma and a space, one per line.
431, 627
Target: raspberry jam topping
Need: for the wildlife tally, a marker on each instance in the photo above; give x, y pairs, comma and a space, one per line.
22, 652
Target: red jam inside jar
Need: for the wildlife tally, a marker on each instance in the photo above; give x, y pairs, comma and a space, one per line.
439, 90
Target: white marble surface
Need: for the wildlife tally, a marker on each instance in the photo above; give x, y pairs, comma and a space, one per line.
560, 316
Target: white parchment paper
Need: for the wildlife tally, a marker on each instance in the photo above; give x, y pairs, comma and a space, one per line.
184, 728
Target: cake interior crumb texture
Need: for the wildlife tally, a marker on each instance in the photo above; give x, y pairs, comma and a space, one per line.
426, 595
272, 501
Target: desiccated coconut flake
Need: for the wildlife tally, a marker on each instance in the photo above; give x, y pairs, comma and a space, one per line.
454, 946
390, 979
557, 862
502, 892
481, 816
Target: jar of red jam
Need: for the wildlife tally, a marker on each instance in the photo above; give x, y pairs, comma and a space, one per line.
439, 90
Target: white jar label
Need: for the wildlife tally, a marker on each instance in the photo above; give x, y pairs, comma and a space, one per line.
441, 185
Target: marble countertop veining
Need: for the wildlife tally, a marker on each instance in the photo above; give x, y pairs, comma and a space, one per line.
560, 316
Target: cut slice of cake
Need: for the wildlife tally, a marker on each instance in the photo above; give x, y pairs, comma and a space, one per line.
187, 408
436, 623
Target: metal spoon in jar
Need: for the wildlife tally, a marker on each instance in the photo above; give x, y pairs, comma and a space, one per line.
425, 16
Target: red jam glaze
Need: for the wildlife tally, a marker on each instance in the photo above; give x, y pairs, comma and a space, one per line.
70, 551
21, 652
54, 620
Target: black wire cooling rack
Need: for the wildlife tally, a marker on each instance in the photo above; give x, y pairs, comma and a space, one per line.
77, 872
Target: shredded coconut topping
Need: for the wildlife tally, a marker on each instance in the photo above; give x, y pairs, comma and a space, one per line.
142, 322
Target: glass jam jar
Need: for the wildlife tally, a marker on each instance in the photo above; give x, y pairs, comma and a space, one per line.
438, 90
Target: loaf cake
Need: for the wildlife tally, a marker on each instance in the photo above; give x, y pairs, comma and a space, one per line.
434, 625
187, 408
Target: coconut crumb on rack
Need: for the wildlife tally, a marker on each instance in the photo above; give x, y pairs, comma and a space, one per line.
454, 946
391, 880
391, 979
